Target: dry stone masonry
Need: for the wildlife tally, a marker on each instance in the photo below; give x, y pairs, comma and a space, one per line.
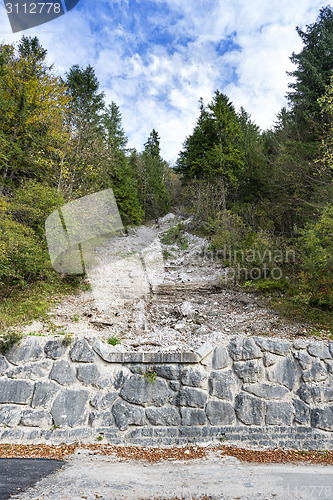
248, 391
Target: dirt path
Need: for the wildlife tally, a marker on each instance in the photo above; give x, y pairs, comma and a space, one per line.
188, 306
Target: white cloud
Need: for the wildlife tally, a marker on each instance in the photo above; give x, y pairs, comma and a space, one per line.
158, 85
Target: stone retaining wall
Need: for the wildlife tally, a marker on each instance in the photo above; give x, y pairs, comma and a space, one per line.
250, 391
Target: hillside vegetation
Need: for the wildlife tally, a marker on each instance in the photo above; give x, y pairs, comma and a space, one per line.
264, 198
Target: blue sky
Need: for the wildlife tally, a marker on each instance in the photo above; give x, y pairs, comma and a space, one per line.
155, 59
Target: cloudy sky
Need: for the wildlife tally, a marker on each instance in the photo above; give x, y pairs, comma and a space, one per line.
155, 59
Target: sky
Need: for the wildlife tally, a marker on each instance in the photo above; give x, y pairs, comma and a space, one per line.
156, 59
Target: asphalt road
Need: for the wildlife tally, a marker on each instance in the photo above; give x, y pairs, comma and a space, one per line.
18, 474
90, 477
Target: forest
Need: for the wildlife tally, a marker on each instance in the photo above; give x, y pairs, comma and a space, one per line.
262, 197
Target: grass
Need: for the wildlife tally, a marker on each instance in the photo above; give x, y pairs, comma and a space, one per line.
113, 340
35, 301
319, 319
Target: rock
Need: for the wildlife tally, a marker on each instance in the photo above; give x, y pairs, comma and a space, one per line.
54, 349
193, 416
140, 391
193, 377
319, 349
329, 366
266, 391
300, 344
34, 371
163, 416
88, 374
181, 326
120, 377
203, 351
273, 345
82, 352
44, 394
270, 359
284, 372
327, 394
70, 408
302, 412
28, 350
174, 385
202, 330
242, 349
10, 415
171, 372
250, 410
310, 394
103, 401
303, 358
316, 373
36, 418
63, 372
15, 391
3, 365
194, 398
221, 358
187, 309
126, 414
331, 348
222, 384
322, 418
249, 371
220, 413
104, 351
279, 413
101, 418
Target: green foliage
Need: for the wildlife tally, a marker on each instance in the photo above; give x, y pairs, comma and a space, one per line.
113, 340
316, 250
8, 339
175, 235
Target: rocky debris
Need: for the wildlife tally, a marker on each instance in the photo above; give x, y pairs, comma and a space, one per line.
186, 310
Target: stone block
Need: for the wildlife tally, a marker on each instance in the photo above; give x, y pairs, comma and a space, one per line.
126, 414
15, 391
270, 359
279, 413
193, 377
303, 358
27, 350
193, 416
220, 413
266, 390
285, 372
33, 371
221, 358
70, 408
163, 416
222, 384
249, 371
120, 376
316, 373
88, 374
319, 349
54, 349
322, 418
302, 412
274, 346
140, 390
82, 352
63, 372
36, 418
10, 415
101, 418
3, 365
243, 349
102, 401
250, 410
300, 344
171, 372
44, 394
188, 396
310, 394
174, 385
